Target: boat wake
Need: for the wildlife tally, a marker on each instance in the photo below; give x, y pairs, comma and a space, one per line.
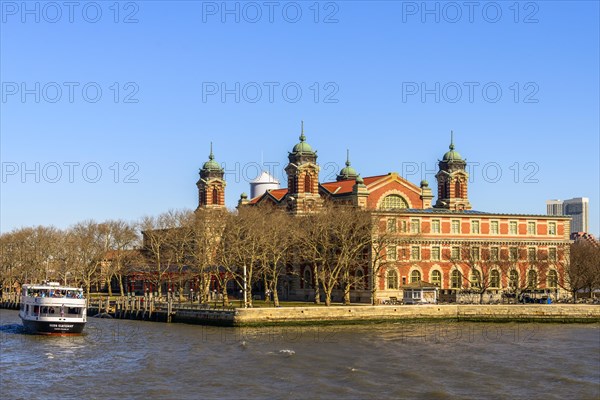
13, 329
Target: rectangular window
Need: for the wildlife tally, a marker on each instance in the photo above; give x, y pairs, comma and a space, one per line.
435, 253
415, 226
552, 253
475, 227
435, 226
514, 253
552, 228
494, 253
390, 252
513, 228
494, 230
531, 229
403, 226
415, 253
475, 254
531, 254
455, 226
455, 253
391, 225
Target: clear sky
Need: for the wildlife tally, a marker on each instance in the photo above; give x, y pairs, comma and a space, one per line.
108, 109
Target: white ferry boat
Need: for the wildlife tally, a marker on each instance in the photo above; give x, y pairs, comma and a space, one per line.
52, 309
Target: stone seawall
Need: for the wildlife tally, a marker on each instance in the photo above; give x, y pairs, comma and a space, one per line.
371, 314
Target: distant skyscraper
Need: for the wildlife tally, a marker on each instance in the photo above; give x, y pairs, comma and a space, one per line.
554, 207
577, 209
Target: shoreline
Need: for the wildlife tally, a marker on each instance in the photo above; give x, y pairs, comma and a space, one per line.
348, 315
363, 315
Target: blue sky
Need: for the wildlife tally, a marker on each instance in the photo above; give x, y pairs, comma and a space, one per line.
136, 92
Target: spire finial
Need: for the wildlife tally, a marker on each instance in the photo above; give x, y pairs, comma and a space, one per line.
211, 156
451, 140
347, 157
302, 137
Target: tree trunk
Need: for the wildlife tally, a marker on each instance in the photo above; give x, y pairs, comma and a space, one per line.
108, 285
275, 295
120, 278
224, 293
327, 296
316, 279
205, 288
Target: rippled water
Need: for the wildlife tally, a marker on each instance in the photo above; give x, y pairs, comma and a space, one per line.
132, 359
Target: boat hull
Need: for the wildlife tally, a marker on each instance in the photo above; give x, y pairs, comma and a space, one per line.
53, 327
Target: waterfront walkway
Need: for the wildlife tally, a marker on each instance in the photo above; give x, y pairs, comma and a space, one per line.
214, 313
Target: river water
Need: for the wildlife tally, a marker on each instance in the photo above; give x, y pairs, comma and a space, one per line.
121, 359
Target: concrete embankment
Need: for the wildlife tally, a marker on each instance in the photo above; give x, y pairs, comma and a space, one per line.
562, 313
358, 314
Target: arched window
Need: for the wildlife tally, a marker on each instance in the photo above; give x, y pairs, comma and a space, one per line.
513, 279
458, 189
415, 276
494, 278
360, 279
393, 202
436, 278
307, 279
475, 279
215, 196
307, 184
532, 279
552, 280
455, 279
392, 279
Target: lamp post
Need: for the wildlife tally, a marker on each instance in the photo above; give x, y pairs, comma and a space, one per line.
192, 295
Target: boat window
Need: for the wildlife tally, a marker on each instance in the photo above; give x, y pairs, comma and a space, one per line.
36, 310
27, 309
74, 311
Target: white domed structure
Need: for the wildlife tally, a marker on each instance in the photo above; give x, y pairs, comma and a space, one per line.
263, 183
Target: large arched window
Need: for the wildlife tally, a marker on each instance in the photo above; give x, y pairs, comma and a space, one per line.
415, 276
513, 279
552, 281
392, 279
532, 279
494, 278
455, 279
436, 278
307, 279
393, 202
215, 196
307, 184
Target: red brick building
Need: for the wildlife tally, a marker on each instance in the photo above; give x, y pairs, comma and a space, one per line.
447, 243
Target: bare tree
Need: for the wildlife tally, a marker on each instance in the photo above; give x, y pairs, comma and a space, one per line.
88, 247
277, 243
581, 269
208, 227
157, 240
